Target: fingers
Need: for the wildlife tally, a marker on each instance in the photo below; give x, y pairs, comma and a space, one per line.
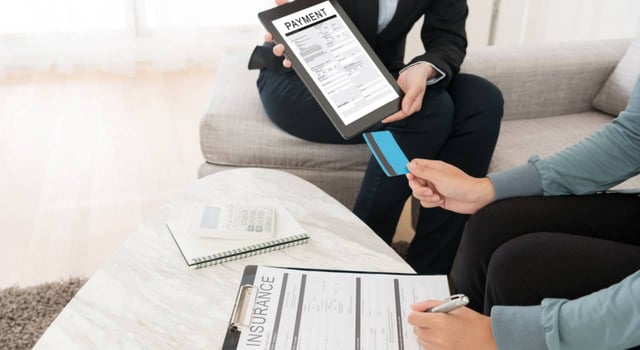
421, 189
425, 305
424, 191
420, 186
426, 320
427, 163
425, 169
418, 181
423, 343
412, 101
410, 105
417, 104
394, 117
278, 50
419, 317
432, 202
430, 170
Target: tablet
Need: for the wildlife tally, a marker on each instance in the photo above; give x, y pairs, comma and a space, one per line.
335, 63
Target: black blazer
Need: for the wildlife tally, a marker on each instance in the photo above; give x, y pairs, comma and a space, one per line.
443, 34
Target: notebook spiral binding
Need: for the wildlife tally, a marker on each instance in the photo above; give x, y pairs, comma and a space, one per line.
249, 251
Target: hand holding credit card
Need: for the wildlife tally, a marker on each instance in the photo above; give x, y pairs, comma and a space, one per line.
387, 152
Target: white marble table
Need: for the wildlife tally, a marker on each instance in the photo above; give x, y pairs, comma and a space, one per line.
145, 297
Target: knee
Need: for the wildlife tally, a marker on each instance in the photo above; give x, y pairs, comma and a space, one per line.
508, 260
489, 95
484, 233
283, 88
512, 268
478, 93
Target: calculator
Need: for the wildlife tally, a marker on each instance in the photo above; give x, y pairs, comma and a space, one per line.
233, 220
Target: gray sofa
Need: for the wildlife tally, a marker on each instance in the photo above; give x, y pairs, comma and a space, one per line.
548, 90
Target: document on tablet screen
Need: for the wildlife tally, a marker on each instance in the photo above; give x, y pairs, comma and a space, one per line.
335, 60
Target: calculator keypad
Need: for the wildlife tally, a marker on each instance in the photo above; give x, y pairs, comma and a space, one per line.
248, 218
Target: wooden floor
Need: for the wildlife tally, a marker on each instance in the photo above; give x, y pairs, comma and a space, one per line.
85, 158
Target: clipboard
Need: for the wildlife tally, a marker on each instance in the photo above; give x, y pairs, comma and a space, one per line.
284, 307
335, 62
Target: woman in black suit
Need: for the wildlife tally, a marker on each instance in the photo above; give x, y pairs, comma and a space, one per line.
445, 115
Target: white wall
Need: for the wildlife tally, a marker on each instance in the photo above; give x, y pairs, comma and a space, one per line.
538, 21
541, 21
62, 34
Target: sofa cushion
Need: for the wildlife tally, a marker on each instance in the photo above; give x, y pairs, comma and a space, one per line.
549, 79
235, 130
616, 91
520, 139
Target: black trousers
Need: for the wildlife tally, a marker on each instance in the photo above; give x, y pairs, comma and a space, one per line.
520, 251
459, 125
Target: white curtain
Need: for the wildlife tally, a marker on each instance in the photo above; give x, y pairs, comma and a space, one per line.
115, 35
543, 21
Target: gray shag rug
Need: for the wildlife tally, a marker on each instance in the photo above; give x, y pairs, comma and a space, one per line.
25, 313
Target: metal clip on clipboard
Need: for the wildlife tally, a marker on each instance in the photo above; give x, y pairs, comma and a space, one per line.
240, 308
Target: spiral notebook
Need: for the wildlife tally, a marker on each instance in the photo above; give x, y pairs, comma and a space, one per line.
199, 252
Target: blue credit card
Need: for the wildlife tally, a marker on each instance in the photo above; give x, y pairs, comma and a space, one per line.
387, 152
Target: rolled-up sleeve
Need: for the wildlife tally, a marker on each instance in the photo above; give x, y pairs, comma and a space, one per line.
518, 327
604, 159
607, 319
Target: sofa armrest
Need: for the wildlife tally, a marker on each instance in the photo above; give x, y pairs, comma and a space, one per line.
549, 79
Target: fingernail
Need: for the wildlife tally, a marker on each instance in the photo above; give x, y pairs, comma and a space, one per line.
411, 165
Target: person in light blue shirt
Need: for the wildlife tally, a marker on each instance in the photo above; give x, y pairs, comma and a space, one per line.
553, 259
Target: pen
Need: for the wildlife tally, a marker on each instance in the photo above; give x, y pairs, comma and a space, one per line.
451, 303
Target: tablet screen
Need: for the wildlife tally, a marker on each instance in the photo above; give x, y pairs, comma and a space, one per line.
335, 60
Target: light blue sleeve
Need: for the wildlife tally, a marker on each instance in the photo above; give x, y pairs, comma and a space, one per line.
604, 159
518, 327
607, 319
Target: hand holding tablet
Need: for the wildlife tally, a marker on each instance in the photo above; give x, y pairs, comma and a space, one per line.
335, 63
278, 50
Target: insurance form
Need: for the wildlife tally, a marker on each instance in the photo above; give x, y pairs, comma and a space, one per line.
309, 309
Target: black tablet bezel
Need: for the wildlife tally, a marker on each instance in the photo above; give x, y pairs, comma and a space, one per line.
363, 123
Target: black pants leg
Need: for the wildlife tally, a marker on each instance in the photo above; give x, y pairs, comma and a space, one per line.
459, 124
293, 109
535, 266
504, 259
